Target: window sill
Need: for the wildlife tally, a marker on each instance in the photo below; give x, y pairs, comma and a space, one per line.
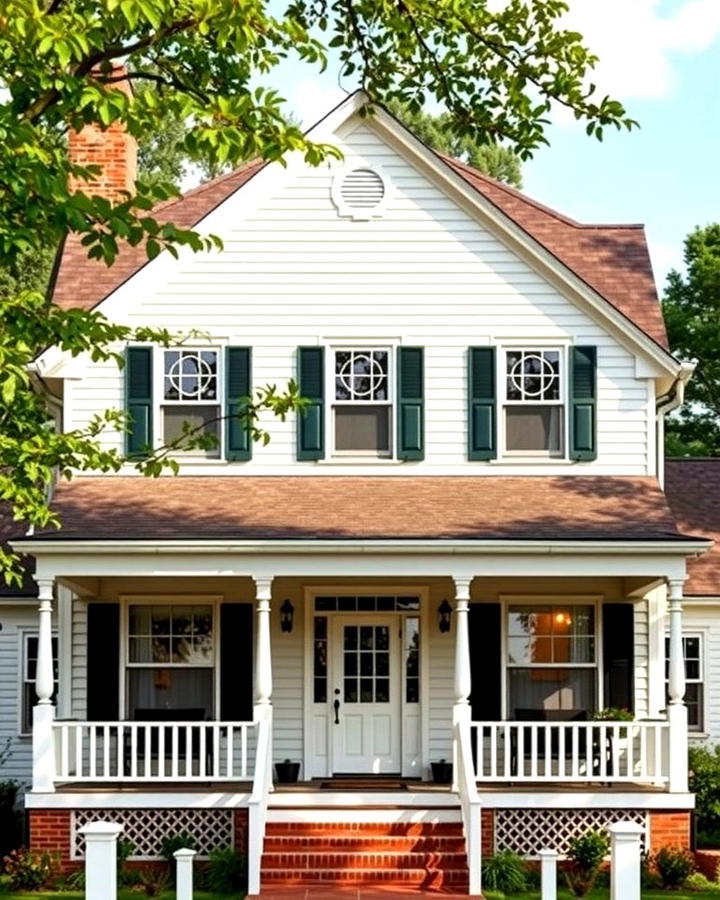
530, 461
358, 461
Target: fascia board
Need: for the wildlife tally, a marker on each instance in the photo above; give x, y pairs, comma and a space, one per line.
541, 259
682, 548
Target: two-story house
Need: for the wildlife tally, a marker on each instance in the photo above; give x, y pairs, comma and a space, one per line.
462, 551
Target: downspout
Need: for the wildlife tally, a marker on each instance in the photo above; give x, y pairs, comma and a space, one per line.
666, 403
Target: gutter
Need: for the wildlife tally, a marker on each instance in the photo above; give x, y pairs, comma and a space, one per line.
666, 403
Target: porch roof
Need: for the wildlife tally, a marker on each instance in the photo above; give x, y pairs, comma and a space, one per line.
363, 508
693, 489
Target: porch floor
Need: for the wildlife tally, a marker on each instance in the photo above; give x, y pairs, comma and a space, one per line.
325, 786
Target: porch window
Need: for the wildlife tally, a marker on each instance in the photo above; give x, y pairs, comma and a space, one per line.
191, 397
551, 662
693, 656
171, 659
533, 407
29, 671
362, 402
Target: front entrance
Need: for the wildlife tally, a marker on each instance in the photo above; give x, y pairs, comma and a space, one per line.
365, 695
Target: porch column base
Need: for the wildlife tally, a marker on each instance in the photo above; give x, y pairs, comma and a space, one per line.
43, 749
677, 715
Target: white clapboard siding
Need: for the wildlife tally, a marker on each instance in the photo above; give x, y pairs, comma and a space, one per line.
440, 692
642, 649
288, 680
79, 659
424, 273
705, 621
16, 620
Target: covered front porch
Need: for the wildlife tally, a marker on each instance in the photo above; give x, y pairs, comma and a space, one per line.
514, 648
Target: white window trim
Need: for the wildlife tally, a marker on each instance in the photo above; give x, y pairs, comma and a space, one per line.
126, 601
359, 456
159, 401
508, 600
522, 456
23, 635
693, 632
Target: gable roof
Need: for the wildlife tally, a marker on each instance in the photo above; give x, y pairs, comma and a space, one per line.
613, 260
516, 508
693, 491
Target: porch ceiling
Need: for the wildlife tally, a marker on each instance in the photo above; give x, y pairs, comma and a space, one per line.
594, 509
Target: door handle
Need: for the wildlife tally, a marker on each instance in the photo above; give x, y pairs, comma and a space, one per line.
336, 706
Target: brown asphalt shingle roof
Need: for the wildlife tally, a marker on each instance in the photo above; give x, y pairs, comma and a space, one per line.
693, 491
362, 508
611, 259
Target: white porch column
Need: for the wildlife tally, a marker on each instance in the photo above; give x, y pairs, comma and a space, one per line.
463, 682
548, 874
44, 711
101, 859
625, 860
677, 711
263, 660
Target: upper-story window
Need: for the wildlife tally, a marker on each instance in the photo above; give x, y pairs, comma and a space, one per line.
361, 419
533, 406
191, 396
694, 679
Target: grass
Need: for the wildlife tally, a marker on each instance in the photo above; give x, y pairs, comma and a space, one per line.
122, 895
604, 894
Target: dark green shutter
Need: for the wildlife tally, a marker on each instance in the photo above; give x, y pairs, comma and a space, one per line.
138, 399
484, 627
103, 662
618, 631
238, 440
410, 412
583, 406
482, 403
311, 419
236, 662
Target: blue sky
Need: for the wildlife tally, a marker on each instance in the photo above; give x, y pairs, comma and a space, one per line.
661, 58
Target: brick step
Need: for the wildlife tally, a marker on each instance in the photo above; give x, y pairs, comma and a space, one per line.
425, 879
366, 860
316, 843
384, 829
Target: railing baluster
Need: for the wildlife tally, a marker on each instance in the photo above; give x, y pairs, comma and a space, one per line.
575, 766
642, 755
79, 751
133, 750
548, 751
93, 751
507, 760
216, 751
147, 750
64, 765
161, 751
120, 749
230, 749
561, 752
493, 750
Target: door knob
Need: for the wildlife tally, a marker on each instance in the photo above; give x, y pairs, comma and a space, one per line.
336, 706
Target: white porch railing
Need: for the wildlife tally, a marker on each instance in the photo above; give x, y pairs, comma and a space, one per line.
602, 752
470, 805
258, 802
152, 751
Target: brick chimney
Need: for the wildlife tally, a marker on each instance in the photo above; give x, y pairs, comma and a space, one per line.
113, 149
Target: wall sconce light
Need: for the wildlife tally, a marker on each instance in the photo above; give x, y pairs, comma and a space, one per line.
444, 612
287, 613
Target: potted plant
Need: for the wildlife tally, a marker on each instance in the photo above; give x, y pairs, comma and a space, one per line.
442, 771
613, 714
287, 772
614, 744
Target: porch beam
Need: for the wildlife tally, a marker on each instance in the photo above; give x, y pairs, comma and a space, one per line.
677, 710
44, 712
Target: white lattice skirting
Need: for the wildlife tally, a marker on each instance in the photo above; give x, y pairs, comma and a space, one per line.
528, 831
148, 828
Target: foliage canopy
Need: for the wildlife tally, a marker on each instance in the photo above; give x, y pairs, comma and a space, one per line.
498, 72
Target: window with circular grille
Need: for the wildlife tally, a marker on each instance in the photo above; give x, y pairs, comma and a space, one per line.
360, 193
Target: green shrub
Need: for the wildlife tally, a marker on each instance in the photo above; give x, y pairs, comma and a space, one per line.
225, 872
673, 866
704, 767
586, 854
698, 882
153, 881
505, 872
180, 841
125, 877
30, 870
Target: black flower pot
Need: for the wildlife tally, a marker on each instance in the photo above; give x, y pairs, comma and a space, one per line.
441, 772
287, 772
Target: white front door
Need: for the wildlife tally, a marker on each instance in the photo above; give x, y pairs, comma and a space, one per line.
365, 695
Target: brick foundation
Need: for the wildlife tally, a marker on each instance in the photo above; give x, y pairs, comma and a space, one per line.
240, 822
487, 831
50, 831
669, 829
708, 862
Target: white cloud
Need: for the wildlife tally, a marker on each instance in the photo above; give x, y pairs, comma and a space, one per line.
638, 42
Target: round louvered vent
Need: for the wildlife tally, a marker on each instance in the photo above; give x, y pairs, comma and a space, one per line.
360, 193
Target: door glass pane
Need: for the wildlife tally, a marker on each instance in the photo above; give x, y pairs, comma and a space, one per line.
366, 637
382, 664
351, 637
351, 692
366, 690
382, 690
411, 652
382, 637
366, 664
